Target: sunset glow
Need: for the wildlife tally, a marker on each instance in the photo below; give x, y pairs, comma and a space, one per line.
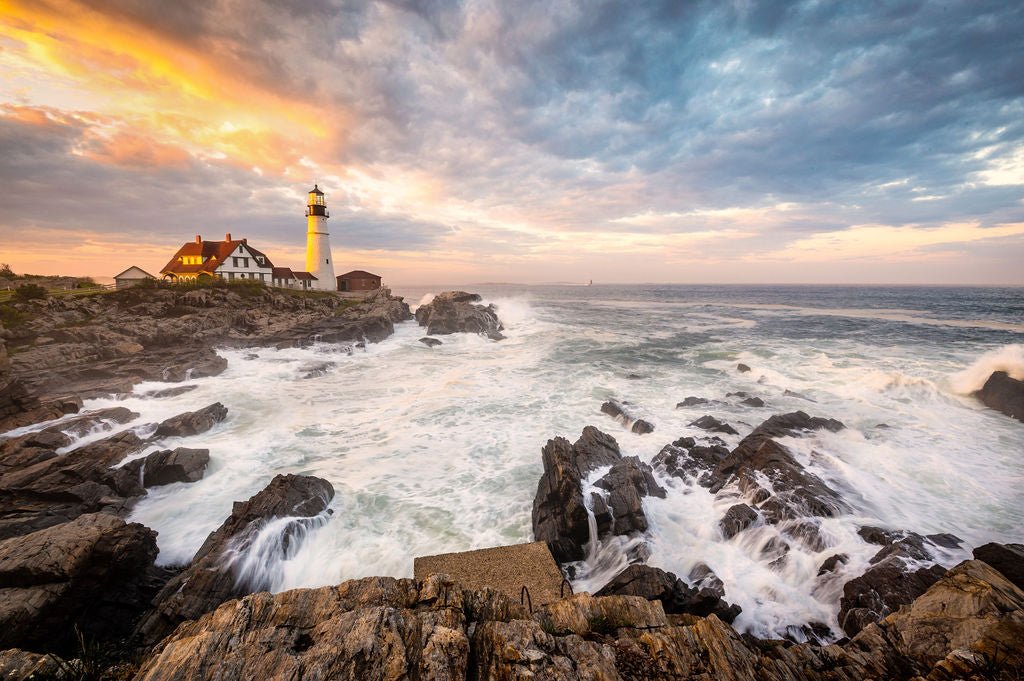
482, 141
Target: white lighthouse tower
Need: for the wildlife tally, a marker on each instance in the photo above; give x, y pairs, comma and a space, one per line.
318, 242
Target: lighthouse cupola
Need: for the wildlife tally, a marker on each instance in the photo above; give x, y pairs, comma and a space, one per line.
318, 241
316, 204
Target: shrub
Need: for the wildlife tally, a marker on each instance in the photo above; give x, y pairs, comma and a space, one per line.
29, 292
6, 271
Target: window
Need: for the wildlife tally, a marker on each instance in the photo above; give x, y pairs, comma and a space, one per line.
245, 262
231, 276
234, 261
327, 260
263, 277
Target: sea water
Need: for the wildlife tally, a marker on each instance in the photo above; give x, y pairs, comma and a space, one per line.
433, 450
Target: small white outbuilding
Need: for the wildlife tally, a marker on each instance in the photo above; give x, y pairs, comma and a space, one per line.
131, 276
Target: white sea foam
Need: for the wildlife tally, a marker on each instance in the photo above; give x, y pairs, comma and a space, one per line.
1009, 358
438, 449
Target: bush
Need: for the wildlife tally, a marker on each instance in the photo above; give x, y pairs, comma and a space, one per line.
6, 271
29, 292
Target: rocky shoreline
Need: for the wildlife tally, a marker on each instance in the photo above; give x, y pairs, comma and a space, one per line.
69, 562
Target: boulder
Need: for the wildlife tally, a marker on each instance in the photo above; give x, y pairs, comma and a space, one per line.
212, 577
22, 665
691, 402
56, 489
1003, 393
742, 368
90, 572
737, 519
192, 422
753, 402
1006, 558
560, 516
710, 423
881, 590
457, 312
93, 421
170, 392
627, 483
430, 342
619, 411
795, 424
675, 596
685, 459
166, 466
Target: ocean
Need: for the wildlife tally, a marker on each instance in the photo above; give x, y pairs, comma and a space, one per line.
433, 450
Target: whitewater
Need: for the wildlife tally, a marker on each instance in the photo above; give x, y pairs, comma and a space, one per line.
433, 450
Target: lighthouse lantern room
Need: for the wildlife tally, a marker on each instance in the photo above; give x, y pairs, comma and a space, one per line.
318, 243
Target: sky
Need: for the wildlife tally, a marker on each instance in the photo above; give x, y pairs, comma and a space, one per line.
531, 142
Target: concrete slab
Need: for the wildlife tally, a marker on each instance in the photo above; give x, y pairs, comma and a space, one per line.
505, 568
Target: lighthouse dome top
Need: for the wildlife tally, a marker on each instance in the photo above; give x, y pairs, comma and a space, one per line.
316, 190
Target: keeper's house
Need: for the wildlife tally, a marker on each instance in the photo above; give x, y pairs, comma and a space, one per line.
358, 280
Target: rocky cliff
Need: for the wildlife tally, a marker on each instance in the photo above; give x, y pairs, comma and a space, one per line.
67, 349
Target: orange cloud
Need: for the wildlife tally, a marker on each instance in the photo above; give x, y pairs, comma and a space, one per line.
172, 92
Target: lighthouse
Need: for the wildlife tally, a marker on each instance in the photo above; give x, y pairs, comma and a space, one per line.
318, 241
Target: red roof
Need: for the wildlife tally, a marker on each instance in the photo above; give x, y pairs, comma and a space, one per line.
304, 276
358, 274
283, 273
214, 253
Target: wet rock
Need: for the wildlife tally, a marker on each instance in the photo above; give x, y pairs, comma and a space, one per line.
637, 377
702, 577
832, 563
799, 396
89, 572
92, 421
1006, 558
316, 370
166, 466
808, 531
879, 535
560, 517
795, 424
945, 540
795, 493
173, 392
430, 342
457, 312
753, 402
192, 422
56, 489
691, 402
213, 577
881, 590
628, 481
684, 459
22, 665
710, 423
742, 368
675, 596
619, 411
1003, 393
737, 519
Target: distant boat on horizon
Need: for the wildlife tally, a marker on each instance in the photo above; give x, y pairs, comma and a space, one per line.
590, 283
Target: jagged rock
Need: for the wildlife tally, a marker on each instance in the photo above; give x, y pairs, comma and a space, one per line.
89, 572
373, 628
832, 563
879, 535
712, 424
794, 424
559, 514
675, 596
618, 410
799, 396
753, 402
795, 492
881, 590
684, 459
691, 402
316, 369
192, 422
211, 579
628, 481
22, 665
430, 342
1006, 558
170, 392
86, 422
1003, 393
456, 312
737, 519
56, 489
968, 621
742, 368
702, 577
165, 467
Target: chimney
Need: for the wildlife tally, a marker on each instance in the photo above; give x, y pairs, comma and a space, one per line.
245, 241
199, 239
227, 237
